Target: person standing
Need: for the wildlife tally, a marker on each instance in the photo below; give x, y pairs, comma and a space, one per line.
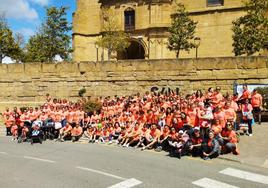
247, 115
256, 102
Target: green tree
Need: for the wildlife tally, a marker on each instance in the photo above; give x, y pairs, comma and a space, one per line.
52, 39
250, 32
182, 31
8, 45
113, 39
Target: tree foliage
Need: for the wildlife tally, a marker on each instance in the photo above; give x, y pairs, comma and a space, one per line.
52, 39
113, 39
8, 46
250, 32
182, 31
91, 106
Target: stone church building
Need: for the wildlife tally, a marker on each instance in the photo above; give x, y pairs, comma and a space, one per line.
147, 22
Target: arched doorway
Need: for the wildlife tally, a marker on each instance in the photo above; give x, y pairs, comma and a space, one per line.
134, 51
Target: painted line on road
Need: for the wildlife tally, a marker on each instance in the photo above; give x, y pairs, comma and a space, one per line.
38, 159
210, 183
245, 175
4, 153
265, 164
100, 172
127, 183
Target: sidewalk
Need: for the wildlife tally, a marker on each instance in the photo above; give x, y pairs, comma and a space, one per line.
253, 150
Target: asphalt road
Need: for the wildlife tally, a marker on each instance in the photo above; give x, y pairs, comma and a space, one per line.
54, 164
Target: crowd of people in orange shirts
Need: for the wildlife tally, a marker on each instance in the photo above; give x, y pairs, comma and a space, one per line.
199, 124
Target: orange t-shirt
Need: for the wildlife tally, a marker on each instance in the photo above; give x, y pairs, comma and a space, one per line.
76, 131
256, 100
230, 114
245, 94
9, 122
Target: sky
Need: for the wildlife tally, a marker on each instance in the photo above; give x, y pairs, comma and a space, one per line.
25, 16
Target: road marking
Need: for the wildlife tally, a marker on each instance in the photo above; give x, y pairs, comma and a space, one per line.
127, 183
265, 164
4, 153
38, 159
210, 183
100, 172
245, 175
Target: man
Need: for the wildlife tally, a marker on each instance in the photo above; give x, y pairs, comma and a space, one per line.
196, 141
77, 132
65, 132
246, 94
256, 102
9, 122
152, 137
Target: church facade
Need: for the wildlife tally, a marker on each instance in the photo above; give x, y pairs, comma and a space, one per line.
147, 22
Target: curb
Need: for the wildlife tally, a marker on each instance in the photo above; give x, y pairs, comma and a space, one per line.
230, 159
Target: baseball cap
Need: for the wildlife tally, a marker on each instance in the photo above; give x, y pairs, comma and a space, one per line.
181, 132
196, 129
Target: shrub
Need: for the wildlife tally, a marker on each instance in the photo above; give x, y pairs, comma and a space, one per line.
91, 106
81, 92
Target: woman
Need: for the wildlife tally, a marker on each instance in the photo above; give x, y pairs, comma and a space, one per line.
247, 115
211, 148
229, 139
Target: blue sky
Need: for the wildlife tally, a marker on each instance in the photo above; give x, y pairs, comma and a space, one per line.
25, 16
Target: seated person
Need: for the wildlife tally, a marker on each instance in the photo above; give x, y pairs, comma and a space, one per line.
115, 132
76, 132
179, 146
229, 139
104, 135
163, 139
151, 137
211, 148
65, 132
133, 137
196, 142
88, 133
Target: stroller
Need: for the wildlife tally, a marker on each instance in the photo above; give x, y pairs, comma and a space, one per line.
37, 133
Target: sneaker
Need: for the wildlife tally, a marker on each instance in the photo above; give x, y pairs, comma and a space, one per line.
110, 142
206, 158
250, 135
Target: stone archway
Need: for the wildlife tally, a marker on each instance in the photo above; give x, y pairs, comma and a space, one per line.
135, 50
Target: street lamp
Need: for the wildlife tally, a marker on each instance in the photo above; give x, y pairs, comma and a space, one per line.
97, 49
197, 41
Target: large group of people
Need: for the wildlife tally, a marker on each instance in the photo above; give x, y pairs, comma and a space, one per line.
198, 124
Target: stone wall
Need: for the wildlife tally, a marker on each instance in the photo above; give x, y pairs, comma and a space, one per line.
28, 83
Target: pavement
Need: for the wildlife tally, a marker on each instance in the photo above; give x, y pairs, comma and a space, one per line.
55, 164
253, 150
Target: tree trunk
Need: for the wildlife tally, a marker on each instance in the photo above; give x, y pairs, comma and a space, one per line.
109, 54
1, 58
178, 54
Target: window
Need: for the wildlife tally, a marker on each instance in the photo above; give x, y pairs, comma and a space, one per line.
214, 2
129, 20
